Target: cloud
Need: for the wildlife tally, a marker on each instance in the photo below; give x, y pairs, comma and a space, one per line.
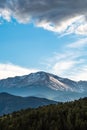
78, 44
63, 66
11, 70
81, 73
82, 29
71, 62
60, 16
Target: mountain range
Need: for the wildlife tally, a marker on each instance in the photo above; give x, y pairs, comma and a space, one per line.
10, 103
44, 85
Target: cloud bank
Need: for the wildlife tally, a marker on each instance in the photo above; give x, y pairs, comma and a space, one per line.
11, 70
60, 16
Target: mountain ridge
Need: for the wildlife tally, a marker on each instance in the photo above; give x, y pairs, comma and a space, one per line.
10, 103
45, 85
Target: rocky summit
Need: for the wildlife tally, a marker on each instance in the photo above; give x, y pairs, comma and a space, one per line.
45, 85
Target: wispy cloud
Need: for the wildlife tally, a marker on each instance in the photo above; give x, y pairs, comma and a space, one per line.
11, 70
78, 44
80, 73
71, 63
60, 16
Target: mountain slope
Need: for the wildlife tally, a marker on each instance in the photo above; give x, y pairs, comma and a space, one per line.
42, 84
10, 103
64, 116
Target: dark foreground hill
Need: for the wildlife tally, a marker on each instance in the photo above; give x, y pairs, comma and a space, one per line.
10, 103
64, 116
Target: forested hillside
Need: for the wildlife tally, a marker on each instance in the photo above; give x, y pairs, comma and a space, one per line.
64, 116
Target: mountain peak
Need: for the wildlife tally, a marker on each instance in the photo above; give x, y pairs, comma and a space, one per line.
43, 84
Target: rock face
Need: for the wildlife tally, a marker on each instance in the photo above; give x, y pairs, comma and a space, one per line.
10, 103
45, 85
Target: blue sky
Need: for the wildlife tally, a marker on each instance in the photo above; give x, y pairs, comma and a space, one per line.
27, 45
32, 40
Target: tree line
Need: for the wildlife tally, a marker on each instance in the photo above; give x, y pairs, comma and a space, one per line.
62, 116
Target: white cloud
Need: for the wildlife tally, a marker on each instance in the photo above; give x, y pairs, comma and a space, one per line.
68, 26
11, 70
78, 44
62, 66
82, 29
5, 14
71, 63
60, 16
80, 74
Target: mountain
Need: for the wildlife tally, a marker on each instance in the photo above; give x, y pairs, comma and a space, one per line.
64, 116
45, 85
10, 103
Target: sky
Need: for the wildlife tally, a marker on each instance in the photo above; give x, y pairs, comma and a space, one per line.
43, 35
